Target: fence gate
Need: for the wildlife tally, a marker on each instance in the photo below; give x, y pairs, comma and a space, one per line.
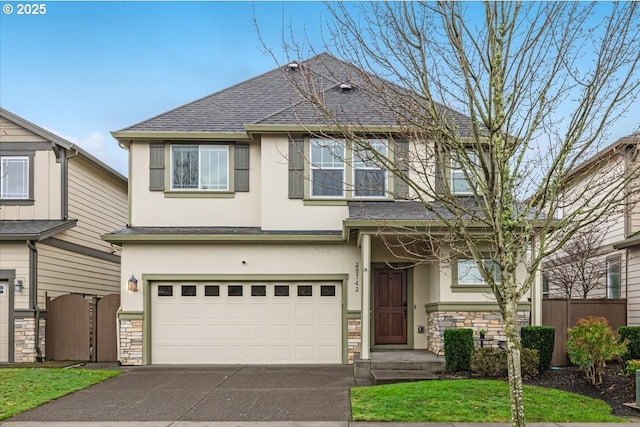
68, 328
82, 329
105, 329
563, 314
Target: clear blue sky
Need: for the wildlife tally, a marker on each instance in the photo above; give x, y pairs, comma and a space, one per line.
84, 69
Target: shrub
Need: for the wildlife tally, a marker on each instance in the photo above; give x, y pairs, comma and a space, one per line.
632, 334
591, 343
630, 367
540, 338
492, 362
458, 346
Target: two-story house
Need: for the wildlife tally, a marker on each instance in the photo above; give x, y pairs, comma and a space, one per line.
55, 202
253, 240
612, 269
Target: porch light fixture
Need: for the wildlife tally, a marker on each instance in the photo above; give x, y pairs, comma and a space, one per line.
133, 284
18, 285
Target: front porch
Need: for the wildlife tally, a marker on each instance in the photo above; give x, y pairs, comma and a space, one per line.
390, 366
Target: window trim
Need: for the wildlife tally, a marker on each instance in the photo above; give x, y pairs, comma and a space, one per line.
609, 261
312, 168
197, 192
29, 155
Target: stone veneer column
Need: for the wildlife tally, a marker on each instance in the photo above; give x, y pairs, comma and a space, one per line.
490, 321
25, 343
130, 342
354, 338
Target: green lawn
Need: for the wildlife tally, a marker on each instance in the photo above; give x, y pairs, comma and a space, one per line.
23, 389
471, 401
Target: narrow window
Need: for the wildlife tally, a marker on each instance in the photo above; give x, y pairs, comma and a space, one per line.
328, 291
258, 291
188, 290
165, 290
212, 291
305, 290
369, 178
459, 182
281, 291
14, 177
613, 277
327, 168
234, 290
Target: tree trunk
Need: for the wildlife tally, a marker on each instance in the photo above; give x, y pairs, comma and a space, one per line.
513, 363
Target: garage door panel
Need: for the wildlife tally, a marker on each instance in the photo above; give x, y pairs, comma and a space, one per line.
269, 323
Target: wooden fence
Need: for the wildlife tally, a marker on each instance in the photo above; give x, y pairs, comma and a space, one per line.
563, 314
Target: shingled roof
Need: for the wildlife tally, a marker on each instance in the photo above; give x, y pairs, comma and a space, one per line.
270, 99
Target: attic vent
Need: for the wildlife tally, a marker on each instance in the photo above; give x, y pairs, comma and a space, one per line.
346, 87
293, 66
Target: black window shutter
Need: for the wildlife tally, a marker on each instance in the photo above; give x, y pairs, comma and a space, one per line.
296, 169
156, 167
241, 168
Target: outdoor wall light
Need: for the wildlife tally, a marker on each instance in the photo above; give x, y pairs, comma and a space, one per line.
133, 284
18, 284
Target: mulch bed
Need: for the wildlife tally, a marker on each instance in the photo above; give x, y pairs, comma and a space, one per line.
615, 389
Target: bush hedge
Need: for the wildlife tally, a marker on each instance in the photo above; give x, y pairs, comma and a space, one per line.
631, 333
492, 362
458, 346
539, 338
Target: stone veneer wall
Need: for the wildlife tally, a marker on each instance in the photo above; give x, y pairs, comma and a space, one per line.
490, 321
354, 338
25, 343
130, 342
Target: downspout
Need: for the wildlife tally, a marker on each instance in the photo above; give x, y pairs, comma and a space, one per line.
64, 184
33, 294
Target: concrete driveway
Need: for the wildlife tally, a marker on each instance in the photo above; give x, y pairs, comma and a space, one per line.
209, 393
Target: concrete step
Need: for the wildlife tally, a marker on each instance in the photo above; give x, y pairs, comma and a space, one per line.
389, 376
425, 365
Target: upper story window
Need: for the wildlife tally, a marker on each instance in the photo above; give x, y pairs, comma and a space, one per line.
369, 179
327, 168
468, 272
14, 177
459, 183
200, 167
613, 277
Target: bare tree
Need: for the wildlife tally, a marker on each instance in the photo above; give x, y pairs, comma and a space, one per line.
541, 84
578, 267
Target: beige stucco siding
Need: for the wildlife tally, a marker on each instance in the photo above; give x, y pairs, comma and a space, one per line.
15, 256
62, 272
216, 261
168, 209
47, 191
98, 201
278, 211
633, 286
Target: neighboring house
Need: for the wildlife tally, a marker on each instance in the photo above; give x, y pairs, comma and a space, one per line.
251, 241
607, 256
55, 202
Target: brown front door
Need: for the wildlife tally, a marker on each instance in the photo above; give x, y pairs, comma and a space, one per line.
390, 307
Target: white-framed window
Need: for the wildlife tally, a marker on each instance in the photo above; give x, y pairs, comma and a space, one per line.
369, 179
14, 177
468, 272
200, 167
327, 168
613, 277
459, 182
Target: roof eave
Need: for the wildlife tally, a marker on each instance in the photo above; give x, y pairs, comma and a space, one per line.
627, 243
66, 225
119, 239
126, 137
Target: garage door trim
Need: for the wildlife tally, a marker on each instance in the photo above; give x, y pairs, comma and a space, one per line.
148, 279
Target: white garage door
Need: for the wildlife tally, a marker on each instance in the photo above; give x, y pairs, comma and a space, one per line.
246, 323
